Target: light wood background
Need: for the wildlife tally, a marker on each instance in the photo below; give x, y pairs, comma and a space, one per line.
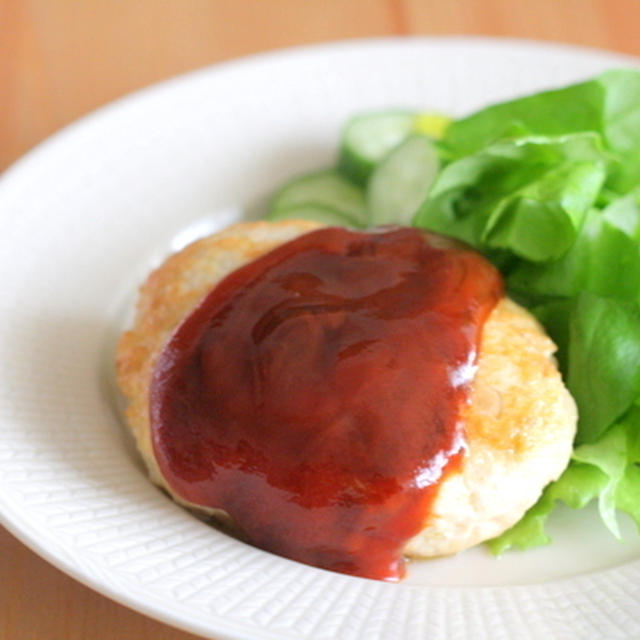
60, 59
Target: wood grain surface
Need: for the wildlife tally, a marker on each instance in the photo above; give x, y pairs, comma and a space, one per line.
59, 59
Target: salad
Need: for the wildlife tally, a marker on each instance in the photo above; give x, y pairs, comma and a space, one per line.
547, 187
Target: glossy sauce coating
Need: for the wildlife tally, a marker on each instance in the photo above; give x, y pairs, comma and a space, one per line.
315, 393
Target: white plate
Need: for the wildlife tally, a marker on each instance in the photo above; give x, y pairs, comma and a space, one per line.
85, 214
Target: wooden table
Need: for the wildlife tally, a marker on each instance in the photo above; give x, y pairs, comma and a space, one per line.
61, 58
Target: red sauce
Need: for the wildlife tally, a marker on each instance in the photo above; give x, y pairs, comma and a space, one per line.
315, 393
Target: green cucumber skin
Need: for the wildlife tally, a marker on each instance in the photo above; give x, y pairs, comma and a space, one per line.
335, 192
356, 171
357, 165
396, 189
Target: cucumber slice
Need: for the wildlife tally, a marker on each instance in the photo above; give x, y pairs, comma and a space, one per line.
367, 138
325, 190
317, 212
400, 183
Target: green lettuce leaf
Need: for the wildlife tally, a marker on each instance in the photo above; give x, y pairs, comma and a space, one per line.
609, 455
627, 493
624, 214
527, 196
608, 104
604, 259
603, 362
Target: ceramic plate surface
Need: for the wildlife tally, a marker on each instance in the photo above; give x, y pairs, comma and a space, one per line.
87, 213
